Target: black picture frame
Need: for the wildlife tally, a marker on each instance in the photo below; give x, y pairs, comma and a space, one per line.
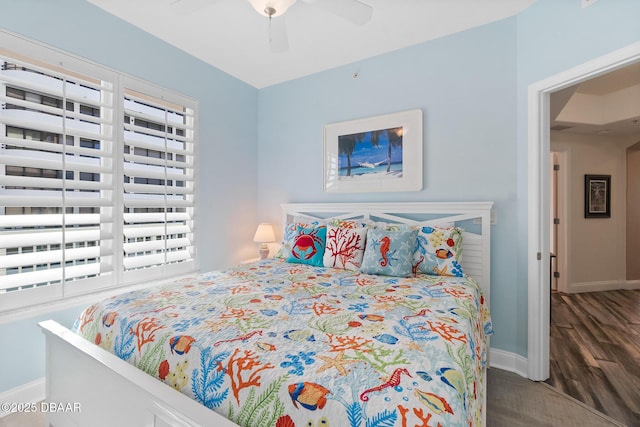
597, 196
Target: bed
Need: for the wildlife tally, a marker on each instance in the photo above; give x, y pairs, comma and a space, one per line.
288, 341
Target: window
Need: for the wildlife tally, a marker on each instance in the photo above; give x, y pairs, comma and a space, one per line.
158, 181
96, 180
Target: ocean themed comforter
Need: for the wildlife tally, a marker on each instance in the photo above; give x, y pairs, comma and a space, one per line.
279, 344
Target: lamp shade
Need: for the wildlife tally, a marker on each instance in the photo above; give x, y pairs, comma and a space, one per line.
279, 6
264, 233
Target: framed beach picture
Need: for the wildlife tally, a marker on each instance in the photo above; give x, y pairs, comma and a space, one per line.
597, 196
381, 153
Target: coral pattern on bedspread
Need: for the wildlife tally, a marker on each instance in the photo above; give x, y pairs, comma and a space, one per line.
279, 344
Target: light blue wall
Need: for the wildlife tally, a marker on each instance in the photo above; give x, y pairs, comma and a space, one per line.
465, 85
227, 146
228, 109
472, 89
23, 357
554, 36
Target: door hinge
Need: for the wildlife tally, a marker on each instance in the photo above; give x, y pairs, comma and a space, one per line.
556, 221
556, 167
539, 256
556, 274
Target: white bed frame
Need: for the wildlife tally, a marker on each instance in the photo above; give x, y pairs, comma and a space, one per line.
99, 389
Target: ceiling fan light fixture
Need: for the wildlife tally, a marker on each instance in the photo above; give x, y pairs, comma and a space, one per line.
271, 8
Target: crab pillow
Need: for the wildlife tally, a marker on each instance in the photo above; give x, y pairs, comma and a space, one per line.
345, 247
290, 232
307, 245
439, 251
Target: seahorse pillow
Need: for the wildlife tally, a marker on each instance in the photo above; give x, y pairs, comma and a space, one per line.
389, 252
389, 226
345, 247
438, 251
307, 246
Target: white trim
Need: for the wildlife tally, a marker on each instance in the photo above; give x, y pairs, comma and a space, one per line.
31, 392
562, 158
538, 176
507, 361
605, 285
46, 299
140, 398
77, 301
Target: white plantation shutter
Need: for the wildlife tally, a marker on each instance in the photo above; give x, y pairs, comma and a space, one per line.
158, 185
96, 180
56, 182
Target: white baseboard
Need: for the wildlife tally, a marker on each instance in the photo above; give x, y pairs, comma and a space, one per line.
607, 285
507, 361
31, 392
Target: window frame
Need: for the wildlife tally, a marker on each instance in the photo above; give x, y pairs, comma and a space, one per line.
53, 297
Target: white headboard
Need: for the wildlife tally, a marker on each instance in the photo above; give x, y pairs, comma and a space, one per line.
476, 244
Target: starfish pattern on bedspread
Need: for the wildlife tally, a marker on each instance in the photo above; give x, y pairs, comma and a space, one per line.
276, 344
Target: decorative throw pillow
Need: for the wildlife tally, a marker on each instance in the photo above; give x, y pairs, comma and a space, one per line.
347, 223
308, 245
289, 233
389, 253
287, 238
439, 251
345, 247
389, 226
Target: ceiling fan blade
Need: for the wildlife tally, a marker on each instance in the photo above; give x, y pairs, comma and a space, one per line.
352, 10
278, 40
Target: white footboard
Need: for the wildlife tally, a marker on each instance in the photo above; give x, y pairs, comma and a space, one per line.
88, 386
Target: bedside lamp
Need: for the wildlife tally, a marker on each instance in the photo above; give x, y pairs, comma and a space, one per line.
264, 234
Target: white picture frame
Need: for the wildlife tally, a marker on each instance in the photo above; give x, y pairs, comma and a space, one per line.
374, 154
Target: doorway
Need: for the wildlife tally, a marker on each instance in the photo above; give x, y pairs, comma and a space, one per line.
538, 198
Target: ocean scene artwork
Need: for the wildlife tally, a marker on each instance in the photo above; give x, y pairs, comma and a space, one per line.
375, 154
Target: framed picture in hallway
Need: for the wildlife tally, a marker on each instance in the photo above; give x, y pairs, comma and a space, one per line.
597, 196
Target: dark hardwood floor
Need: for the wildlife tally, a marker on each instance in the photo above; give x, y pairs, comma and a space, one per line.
595, 351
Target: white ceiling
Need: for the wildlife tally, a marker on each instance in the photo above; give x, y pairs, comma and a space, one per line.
605, 105
613, 81
232, 36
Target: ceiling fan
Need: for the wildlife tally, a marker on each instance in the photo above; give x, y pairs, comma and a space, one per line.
353, 11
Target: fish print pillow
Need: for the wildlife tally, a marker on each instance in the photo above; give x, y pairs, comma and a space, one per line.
345, 247
287, 238
438, 251
307, 245
389, 252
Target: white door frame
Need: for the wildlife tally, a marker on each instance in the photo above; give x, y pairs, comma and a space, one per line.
562, 197
538, 197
